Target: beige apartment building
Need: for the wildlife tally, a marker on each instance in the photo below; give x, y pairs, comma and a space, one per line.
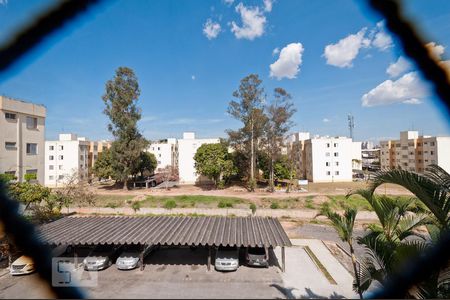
22, 137
415, 153
95, 150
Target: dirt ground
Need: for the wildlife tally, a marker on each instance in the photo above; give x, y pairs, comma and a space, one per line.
313, 189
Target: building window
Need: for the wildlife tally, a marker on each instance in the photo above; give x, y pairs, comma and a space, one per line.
335, 145
431, 152
159, 155
159, 162
51, 177
328, 145
336, 154
95, 157
61, 157
31, 123
431, 143
10, 145
327, 154
337, 163
51, 148
327, 164
328, 173
336, 173
81, 157
61, 177
51, 167
61, 147
425, 143
10, 116
31, 149
60, 167
95, 148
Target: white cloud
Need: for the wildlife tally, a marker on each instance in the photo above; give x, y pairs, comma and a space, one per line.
326, 120
288, 63
228, 2
193, 77
381, 39
399, 67
268, 5
211, 29
253, 21
275, 51
345, 51
407, 89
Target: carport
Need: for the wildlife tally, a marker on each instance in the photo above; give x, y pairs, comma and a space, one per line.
167, 231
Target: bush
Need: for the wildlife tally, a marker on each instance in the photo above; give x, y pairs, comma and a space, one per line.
221, 184
253, 208
169, 204
251, 184
224, 204
7, 178
112, 205
274, 205
30, 176
136, 206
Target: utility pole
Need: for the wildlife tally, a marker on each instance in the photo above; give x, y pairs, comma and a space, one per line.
351, 125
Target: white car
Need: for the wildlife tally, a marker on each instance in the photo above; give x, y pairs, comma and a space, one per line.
21, 266
227, 259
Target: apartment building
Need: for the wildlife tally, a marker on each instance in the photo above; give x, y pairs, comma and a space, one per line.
327, 159
95, 150
66, 159
187, 147
166, 153
22, 137
415, 153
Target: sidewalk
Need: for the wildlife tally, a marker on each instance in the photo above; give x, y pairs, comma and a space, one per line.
239, 212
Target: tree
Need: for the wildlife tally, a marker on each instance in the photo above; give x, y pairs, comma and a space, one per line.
343, 224
214, 162
146, 165
279, 114
29, 193
121, 96
250, 112
103, 165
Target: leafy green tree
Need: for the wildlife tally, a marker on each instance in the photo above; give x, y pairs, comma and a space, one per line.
343, 224
214, 162
29, 193
146, 165
121, 96
281, 169
279, 113
103, 165
249, 110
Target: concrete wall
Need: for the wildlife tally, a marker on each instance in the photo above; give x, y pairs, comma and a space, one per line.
15, 131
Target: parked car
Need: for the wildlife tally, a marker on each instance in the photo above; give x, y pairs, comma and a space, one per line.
257, 257
101, 257
21, 266
131, 257
227, 259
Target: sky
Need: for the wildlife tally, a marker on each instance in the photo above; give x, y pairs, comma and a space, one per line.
334, 57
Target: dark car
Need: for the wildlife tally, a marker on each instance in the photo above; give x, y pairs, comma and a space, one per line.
257, 257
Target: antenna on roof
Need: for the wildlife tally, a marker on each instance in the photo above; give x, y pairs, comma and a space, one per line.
351, 125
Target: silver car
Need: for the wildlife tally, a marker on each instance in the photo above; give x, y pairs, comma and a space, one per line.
257, 257
100, 258
227, 259
130, 257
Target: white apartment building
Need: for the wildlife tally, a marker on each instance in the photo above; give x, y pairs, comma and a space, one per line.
187, 147
65, 158
415, 153
166, 153
22, 137
327, 159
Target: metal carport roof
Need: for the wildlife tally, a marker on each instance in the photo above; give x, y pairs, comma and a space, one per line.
166, 230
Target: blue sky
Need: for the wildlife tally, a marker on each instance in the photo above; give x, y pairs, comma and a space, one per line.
188, 68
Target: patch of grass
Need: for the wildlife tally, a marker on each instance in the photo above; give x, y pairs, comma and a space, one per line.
112, 205
169, 204
274, 205
339, 202
118, 200
193, 201
224, 204
309, 203
136, 206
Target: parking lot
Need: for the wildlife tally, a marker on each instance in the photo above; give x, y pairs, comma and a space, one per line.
182, 273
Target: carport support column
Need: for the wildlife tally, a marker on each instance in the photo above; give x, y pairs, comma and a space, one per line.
75, 257
209, 258
142, 258
283, 260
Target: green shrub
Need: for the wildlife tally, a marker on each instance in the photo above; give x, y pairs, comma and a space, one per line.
7, 177
309, 203
224, 204
221, 184
136, 206
253, 208
112, 205
169, 204
251, 184
30, 176
274, 205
